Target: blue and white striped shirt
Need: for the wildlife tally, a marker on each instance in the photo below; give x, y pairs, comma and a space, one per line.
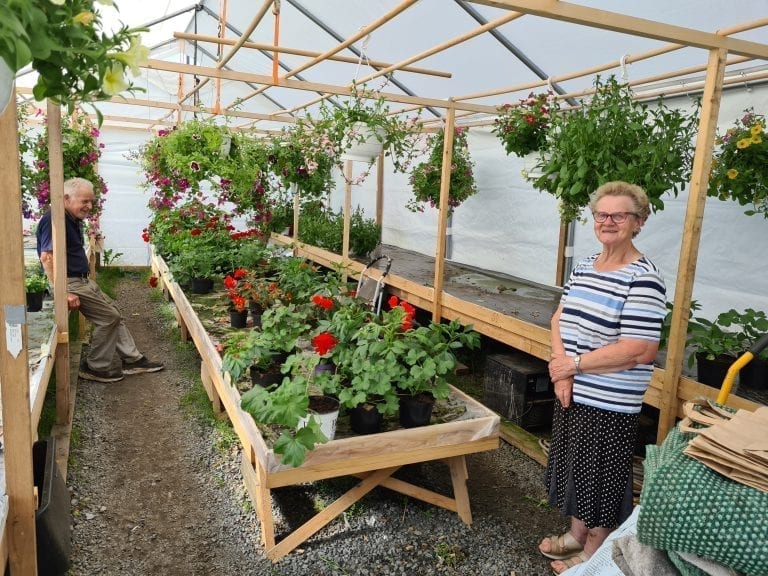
598, 309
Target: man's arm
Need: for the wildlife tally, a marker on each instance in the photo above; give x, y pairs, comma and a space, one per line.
46, 259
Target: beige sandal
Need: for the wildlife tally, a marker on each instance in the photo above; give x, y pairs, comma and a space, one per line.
562, 546
570, 562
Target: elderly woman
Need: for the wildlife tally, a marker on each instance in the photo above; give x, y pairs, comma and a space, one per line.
605, 336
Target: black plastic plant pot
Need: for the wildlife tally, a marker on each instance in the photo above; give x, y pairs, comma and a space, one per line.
365, 419
416, 410
35, 301
53, 519
201, 285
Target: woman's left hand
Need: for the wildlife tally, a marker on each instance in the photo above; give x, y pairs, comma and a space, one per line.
561, 367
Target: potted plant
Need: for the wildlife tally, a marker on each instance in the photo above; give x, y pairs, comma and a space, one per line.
387, 357
363, 126
523, 128
36, 284
297, 407
425, 178
717, 344
298, 157
740, 164
615, 137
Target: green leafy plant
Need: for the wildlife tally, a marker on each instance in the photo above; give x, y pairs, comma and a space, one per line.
362, 115
287, 406
81, 151
425, 178
523, 128
387, 355
740, 164
35, 279
615, 137
110, 257
64, 42
298, 157
325, 229
731, 334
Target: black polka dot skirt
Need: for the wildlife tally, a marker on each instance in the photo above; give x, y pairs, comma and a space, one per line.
589, 472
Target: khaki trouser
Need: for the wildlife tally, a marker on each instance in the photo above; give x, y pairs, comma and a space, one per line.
110, 333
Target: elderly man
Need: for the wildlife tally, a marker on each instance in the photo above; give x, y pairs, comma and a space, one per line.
110, 333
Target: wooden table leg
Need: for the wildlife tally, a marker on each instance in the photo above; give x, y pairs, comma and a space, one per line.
327, 514
458, 466
256, 484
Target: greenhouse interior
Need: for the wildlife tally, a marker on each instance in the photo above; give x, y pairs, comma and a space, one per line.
542, 222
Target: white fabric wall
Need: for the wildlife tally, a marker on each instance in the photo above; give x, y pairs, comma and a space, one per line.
508, 226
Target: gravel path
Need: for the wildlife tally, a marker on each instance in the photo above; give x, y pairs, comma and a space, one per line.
157, 491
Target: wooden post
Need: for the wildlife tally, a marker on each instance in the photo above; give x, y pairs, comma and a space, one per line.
14, 363
560, 271
689, 249
61, 310
442, 225
380, 190
347, 223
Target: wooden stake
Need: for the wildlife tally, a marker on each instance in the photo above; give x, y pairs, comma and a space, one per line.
58, 231
14, 362
689, 249
442, 225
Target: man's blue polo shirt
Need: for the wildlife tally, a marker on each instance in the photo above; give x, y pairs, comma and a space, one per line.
77, 261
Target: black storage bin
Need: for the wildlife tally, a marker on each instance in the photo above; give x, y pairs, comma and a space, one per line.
517, 386
53, 520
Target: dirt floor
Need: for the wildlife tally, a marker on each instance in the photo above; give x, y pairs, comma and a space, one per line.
147, 499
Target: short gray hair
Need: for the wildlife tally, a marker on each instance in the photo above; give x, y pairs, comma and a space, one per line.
72, 185
618, 188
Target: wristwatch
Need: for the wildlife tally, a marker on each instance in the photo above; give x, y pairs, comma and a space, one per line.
577, 364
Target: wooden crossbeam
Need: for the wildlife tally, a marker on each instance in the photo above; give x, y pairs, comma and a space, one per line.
617, 22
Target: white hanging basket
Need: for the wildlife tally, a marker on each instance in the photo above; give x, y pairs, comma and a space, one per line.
369, 148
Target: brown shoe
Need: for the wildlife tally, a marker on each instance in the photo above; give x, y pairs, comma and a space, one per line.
143, 364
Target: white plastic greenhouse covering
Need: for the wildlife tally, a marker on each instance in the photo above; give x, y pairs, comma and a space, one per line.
508, 226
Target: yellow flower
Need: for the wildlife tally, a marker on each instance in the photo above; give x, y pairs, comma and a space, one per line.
743, 143
756, 129
756, 139
134, 57
114, 80
732, 173
84, 18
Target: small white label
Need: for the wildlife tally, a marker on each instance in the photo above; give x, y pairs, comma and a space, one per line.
14, 318
13, 339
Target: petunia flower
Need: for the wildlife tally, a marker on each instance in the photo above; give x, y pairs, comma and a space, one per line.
134, 57
114, 80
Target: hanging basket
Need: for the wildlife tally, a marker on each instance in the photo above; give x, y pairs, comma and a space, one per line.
371, 145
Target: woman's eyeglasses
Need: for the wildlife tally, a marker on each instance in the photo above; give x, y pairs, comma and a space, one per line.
617, 217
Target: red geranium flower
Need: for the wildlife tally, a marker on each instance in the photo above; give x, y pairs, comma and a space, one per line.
322, 301
153, 281
393, 301
324, 342
230, 282
240, 273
